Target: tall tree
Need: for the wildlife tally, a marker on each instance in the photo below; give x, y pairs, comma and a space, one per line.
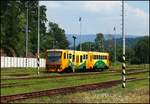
11, 26
13, 23
57, 36
87, 46
142, 50
99, 41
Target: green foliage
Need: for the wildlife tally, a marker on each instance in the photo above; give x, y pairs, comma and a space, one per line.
12, 22
137, 50
141, 51
99, 41
87, 46
98, 45
57, 35
13, 25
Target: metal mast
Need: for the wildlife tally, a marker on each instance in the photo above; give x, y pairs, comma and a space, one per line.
26, 33
38, 50
80, 33
74, 46
115, 43
123, 56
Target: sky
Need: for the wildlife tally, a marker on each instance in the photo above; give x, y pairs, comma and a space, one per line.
99, 16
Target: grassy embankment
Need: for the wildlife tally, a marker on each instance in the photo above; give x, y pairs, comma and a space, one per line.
31, 85
135, 92
51, 83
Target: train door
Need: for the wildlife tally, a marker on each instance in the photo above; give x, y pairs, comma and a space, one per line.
65, 59
77, 60
90, 61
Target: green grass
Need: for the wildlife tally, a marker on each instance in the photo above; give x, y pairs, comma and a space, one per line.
45, 84
51, 83
135, 92
118, 66
32, 72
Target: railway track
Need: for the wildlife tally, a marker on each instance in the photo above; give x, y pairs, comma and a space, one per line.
65, 75
17, 84
12, 85
87, 87
76, 74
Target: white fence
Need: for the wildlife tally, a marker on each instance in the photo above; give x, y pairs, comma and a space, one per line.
7, 62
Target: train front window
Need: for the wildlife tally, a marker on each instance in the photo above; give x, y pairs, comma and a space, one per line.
54, 56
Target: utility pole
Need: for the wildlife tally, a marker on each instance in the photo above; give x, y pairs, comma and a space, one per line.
115, 44
26, 33
80, 33
53, 44
38, 49
123, 56
89, 46
74, 46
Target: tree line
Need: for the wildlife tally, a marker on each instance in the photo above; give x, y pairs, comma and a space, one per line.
136, 52
13, 26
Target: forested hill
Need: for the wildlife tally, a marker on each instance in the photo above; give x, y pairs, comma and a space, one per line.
131, 40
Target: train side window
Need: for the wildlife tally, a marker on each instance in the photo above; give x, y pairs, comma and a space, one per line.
106, 57
94, 56
73, 58
69, 56
99, 57
80, 58
86, 56
64, 55
83, 56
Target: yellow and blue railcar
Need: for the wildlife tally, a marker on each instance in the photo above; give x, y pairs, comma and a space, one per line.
59, 60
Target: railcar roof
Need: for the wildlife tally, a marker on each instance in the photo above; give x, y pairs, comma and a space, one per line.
76, 51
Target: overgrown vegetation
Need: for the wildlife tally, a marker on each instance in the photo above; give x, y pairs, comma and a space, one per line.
136, 53
13, 25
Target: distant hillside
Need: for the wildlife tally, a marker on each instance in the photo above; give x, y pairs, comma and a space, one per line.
130, 39
130, 42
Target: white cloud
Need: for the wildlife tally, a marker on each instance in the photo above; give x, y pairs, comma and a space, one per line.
101, 6
51, 4
137, 21
137, 12
96, 13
